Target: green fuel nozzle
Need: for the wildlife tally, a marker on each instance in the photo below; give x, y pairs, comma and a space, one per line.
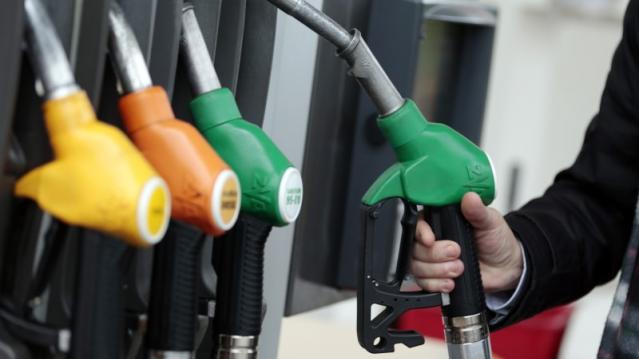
271, 186
271, 196
435, 167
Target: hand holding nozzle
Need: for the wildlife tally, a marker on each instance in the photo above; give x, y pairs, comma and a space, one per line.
436, 167
97, 178
205, 191
272, 195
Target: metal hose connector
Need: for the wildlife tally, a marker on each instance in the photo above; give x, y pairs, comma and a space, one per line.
352, 48
195, 53
126, 56
48, 58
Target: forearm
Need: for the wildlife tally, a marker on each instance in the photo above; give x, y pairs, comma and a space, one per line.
571, 244
576, 234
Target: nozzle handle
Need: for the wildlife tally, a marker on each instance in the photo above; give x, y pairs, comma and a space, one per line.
174, 284
238, 259
468, 296
98, 315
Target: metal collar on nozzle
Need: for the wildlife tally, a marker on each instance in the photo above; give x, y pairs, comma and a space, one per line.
126, 55
49, 61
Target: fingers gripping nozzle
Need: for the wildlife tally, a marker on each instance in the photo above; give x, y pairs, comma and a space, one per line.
97, 178
205, 191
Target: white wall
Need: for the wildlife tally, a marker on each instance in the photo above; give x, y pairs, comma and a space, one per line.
548, 73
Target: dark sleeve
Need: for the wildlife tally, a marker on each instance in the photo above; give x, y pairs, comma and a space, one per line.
576, 234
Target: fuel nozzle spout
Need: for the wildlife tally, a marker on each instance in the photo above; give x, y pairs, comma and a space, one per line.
353, 49
126, 55
46, 54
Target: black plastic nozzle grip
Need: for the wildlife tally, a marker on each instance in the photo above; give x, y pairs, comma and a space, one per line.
174, 283
468, 296
238, 259
98, 315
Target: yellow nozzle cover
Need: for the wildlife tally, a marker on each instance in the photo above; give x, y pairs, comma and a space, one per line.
97, 179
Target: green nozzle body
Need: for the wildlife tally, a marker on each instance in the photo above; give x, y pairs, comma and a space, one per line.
436, 165
271, 186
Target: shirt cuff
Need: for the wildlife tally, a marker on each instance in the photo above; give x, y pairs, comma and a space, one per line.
502, 302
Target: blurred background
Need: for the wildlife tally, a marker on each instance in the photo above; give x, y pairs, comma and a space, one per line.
549, 66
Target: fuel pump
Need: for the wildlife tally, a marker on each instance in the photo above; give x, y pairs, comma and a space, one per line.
206, 192
272, 196
97, 180
436, 167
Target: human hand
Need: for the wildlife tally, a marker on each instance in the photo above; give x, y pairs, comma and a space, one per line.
435, 263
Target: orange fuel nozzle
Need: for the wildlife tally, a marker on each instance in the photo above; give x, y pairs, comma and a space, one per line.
205, 191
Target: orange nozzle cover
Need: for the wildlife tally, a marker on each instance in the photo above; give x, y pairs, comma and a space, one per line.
205, 191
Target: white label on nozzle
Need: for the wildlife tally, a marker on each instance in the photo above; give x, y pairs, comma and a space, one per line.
154, 210
226, 200
291, 194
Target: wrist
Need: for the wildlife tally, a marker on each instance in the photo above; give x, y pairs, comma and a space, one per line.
512, 275
506, 275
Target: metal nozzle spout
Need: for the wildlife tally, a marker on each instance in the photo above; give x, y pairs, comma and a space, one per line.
48, 58
199, 65
126, 56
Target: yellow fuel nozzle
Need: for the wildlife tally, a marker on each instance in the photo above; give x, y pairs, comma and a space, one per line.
97, 179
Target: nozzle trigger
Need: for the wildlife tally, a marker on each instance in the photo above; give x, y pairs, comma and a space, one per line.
375, 332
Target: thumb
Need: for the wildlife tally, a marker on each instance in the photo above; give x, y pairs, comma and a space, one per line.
477, 214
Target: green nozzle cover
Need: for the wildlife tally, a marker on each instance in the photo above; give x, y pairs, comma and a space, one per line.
436, 165
271, 187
